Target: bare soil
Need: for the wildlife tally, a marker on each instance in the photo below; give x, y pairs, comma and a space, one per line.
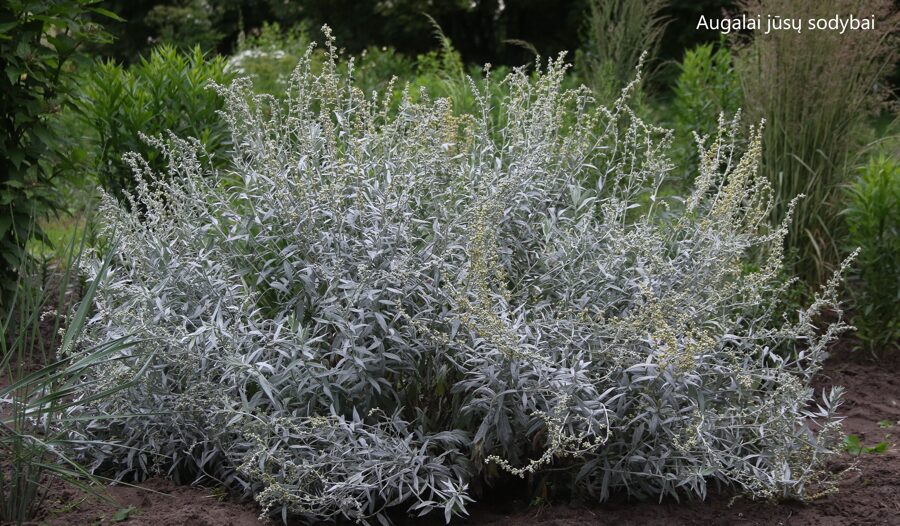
869, 496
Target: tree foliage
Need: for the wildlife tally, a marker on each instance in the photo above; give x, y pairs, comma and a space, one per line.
38, 41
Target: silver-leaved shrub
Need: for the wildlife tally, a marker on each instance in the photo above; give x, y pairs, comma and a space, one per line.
380, 305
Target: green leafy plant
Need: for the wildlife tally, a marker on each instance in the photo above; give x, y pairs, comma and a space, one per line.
706, 87
269, 56
123, 514
816, 89
376, 66
873, 222
166, 92
38, 41
185, 24
443, 73
378, 307
853, 445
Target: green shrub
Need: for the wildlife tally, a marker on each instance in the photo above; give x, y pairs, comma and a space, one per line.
707, 87
873, 222
269, 57
169, 91
38, 40
815, 89
381, 308
376, 66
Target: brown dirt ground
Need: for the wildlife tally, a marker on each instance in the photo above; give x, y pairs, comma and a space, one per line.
869, 496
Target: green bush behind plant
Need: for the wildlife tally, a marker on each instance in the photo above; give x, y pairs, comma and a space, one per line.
269, 56
873, 222
186, 24
168, 91
706, 87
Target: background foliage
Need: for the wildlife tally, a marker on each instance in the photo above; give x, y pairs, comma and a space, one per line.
706, 88
873, 220
167, 92
480, 29
816, 99
38, 41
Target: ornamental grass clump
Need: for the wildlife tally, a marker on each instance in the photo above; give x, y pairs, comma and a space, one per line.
818, 90
378, 306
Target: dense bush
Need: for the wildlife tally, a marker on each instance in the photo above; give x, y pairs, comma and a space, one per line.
268, 56
706, 87
373, 308
169, 91
873, 219
185, 24
479, 28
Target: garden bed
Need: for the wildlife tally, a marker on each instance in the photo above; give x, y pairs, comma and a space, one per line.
870, 495
498, 295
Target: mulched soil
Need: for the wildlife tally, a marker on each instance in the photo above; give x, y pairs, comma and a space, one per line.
867, 496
